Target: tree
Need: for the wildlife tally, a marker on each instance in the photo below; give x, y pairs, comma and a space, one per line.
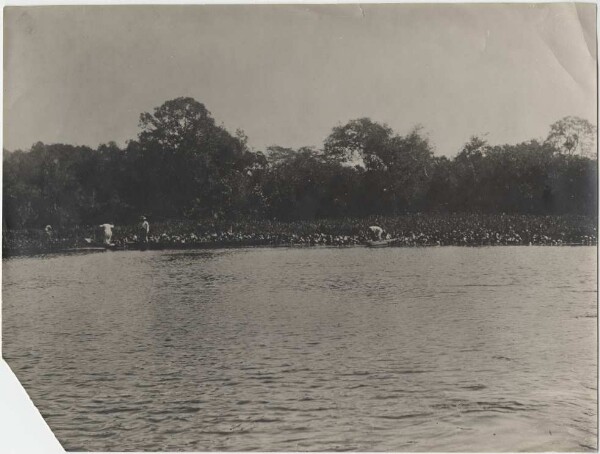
398, 168
176, 124
573, 135
189, 165
358, 141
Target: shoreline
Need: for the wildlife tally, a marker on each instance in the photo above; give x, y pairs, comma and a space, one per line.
213, 246
407, 230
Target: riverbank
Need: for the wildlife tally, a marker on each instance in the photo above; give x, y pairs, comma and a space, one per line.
408, 231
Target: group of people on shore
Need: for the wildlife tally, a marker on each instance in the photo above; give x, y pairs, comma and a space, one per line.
404, 230
425, 231
373, 233
143, 231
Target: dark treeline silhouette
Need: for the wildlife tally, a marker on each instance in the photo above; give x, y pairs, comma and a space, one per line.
184, 166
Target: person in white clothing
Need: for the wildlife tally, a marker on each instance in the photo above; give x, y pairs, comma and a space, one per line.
376, 232
48, 230
144, 230
107, 232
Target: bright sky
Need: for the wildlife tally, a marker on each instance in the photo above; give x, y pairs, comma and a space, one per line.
287, 74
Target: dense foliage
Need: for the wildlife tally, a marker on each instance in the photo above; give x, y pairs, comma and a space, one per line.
183, 165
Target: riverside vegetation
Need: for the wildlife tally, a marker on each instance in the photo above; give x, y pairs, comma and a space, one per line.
407, 230
201, 186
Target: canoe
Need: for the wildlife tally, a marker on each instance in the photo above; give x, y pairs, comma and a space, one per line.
82, 249
127, 247
381, 243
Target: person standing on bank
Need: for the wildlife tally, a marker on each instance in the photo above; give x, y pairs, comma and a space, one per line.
144, 230
48, 231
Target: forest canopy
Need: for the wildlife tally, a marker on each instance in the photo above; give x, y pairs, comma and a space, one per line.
183, 165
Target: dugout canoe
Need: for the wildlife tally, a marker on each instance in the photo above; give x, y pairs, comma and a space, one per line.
381, 243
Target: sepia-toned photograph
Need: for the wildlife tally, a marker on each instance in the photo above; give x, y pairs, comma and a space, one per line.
349, 227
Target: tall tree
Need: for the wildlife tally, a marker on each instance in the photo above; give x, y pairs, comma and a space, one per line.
177, 124
191, 166
573, 135
398, 168
359, 141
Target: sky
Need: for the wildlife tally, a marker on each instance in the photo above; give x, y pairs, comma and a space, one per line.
287, 74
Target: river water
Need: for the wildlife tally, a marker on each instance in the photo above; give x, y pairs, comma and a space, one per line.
429, 349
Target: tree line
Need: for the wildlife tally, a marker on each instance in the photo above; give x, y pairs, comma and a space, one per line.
183, 165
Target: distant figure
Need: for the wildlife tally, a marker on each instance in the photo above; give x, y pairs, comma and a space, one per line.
48, 230
144, 230
376, 232
107, 232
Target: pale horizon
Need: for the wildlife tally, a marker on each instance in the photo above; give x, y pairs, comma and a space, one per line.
287, 74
